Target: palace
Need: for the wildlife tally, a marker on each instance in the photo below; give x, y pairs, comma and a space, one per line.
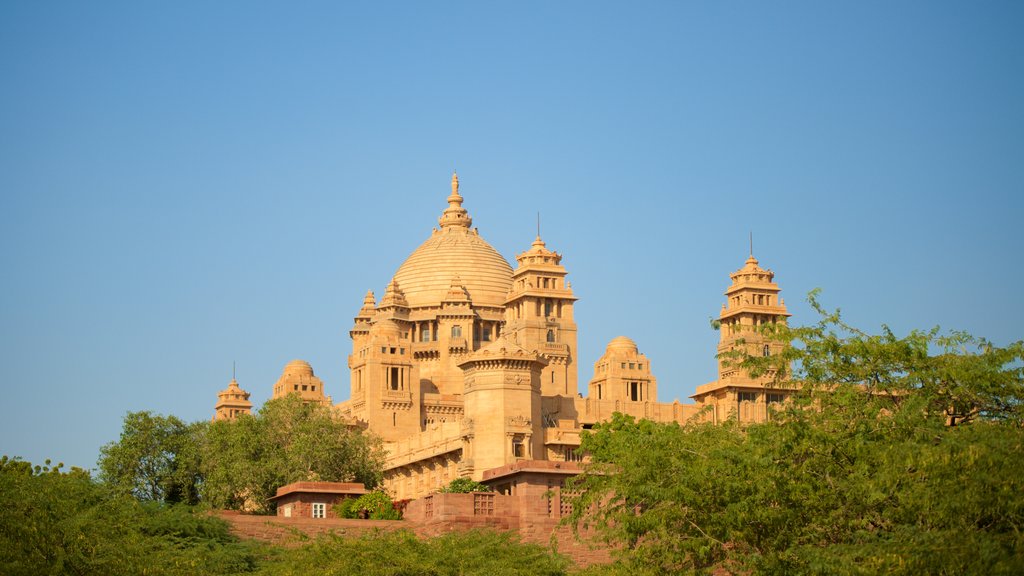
467, 367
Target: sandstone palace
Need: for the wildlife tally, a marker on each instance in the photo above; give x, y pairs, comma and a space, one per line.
467, 367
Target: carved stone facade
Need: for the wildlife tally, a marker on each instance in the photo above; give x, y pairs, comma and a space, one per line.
467, 365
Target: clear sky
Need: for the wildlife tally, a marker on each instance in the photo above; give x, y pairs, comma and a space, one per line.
184, 185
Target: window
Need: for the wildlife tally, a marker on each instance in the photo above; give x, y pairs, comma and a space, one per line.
485, 334
635, 392
573, 454
551, 336
775, 398
395, 383
518, 450
456, 331
288, 511
304, 387
547, 307
631, 365
319, 510
766, 351
425, 335
748, 396
598, 391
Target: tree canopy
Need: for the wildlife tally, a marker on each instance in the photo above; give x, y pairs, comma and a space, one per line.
156, 458
240, 463
245, 460
900, 456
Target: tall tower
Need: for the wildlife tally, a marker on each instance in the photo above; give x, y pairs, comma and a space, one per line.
539, 312
752, 300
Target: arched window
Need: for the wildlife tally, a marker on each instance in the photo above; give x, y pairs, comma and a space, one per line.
767, 351
551, 335
456, 331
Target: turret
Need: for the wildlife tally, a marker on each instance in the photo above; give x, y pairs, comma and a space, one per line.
623, 374
539, 311
502, 422
232, 402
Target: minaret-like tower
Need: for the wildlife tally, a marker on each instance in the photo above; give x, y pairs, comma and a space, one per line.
539, 313
232, 402
752, 300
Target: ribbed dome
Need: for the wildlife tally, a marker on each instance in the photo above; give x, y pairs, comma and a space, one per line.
426, 275
454, 253
622, 343
298, 367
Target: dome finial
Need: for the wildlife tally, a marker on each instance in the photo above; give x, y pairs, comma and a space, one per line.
455, 215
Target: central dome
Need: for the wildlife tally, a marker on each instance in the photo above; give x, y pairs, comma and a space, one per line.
455, 254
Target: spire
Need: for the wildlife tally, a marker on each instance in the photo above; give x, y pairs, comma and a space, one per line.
369, 305
455, 216
393, 296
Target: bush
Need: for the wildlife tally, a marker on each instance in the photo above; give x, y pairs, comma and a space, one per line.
378, 506
465, 486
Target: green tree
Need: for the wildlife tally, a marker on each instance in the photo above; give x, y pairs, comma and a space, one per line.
52, 522
156, 458
861, 473
245, 460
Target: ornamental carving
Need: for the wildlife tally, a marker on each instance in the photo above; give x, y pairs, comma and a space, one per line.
519, 421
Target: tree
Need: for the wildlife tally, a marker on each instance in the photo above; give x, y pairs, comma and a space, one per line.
156, 458
377, 504
56, 522
245, 460
900, 456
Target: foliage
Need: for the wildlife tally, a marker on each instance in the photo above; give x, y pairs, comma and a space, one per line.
861, 473
245, 460
465, 486
156, 458
377, 504
52, 522
478, 552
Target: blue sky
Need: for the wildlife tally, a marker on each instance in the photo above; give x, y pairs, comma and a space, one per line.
186, 185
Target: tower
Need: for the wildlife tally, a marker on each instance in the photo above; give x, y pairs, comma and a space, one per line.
232, 402
298, 378
752, 300
623, 374
538, 311
502, 422
385, 384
